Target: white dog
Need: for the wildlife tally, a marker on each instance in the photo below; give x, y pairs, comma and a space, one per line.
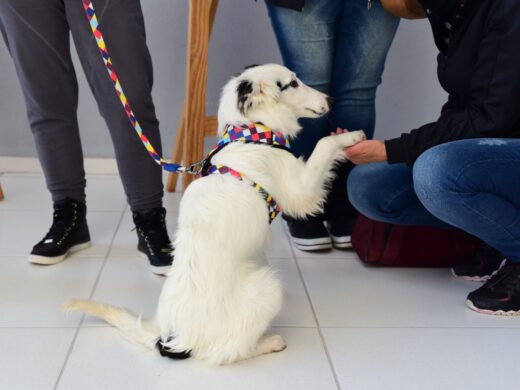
220, 295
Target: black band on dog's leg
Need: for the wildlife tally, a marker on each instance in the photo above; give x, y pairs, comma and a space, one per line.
172, 355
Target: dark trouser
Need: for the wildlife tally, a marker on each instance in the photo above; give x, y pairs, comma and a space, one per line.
37, 35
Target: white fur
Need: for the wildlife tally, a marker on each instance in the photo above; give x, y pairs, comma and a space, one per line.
221, 295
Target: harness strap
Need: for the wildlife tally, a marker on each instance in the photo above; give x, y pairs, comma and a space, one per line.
256, 133
272, 206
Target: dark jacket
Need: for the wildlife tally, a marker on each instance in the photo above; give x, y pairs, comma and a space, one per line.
479, 68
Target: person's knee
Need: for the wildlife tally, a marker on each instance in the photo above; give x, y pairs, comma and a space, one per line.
434, 177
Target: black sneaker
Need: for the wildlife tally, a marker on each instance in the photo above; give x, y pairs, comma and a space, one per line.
500, 295
485, 263
340, 229
153, 240
309, 234
68, 233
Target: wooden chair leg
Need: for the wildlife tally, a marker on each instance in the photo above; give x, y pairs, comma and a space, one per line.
1, 193
177, 152
212, 13
199, 15
189, 143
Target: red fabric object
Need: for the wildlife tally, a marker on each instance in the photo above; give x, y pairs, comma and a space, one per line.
384, 244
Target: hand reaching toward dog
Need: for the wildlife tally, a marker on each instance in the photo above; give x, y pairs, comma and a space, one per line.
364, 152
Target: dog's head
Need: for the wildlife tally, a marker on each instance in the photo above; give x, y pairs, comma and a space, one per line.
270, 94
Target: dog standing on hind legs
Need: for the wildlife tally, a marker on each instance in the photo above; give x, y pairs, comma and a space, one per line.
220, 295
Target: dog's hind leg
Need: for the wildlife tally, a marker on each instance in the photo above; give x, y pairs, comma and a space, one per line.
269, 344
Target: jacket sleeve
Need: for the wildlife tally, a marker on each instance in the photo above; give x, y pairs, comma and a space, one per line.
494, 107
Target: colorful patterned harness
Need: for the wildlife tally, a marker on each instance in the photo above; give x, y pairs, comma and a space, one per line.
256, 133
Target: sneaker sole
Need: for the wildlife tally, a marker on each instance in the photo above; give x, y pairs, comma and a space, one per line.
344, 242
510, 313
161, 271
479, 278
313, 244
43, 260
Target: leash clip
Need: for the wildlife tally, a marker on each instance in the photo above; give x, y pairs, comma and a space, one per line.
193, 169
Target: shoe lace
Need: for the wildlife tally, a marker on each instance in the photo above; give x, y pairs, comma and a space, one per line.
155, 234
61, 225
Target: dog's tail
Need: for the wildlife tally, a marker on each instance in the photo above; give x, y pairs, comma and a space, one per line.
131, 326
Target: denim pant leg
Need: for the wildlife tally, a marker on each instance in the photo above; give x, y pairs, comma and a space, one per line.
307, 41
338, 47
386, 193
363, 40
362, 43
475, 185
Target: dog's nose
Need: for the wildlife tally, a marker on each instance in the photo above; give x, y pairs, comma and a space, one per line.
330, 101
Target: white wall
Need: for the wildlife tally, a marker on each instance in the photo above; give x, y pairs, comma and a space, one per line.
409, 96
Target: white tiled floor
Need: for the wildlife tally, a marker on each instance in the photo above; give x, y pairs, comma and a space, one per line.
347, 326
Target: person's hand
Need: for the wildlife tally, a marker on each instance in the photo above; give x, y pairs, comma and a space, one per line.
367, 152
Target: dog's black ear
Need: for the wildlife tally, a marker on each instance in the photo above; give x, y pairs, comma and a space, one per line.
246, 68
244, 89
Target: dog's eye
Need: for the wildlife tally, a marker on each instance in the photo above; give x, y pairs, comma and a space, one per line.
294, 84
279, 84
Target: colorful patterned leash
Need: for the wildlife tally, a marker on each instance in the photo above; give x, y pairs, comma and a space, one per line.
165, 164
246, 133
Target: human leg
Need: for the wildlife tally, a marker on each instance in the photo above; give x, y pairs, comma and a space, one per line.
122, 25
37, 36
386, 193
362, 43
306, 40
473, 185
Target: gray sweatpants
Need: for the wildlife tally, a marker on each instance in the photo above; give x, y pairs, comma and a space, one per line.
37, 34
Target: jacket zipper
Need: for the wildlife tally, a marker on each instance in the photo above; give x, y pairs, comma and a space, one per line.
369, 4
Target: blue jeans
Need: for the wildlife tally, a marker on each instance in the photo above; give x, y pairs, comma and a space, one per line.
471, 184
338, 47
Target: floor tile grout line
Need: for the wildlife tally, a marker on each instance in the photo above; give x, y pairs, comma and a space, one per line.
320, 333
424, 327
100, 326
36, 327
50, 209
353, 327
96, 281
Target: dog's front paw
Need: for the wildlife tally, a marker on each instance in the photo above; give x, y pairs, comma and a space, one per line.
351, 138
359, 136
